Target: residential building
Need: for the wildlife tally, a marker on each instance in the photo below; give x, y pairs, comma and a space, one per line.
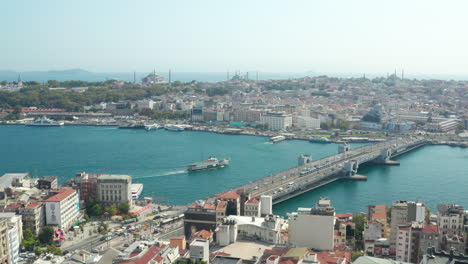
276, 121
198, 216
252, 207
142, 104
374, 260
233, 202
404, 212
15, 180
451, 219
62, 209
178, 242
4, 246
433, 256
15, 234
200, 250
313, 227
47, 182
413, 239
33, 216
266, 205
308, 123
114, 189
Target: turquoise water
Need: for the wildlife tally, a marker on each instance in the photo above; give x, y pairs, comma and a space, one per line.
158, 159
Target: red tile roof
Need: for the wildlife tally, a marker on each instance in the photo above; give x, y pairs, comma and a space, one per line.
221, 206
15, 206
158, 259
32, 205
150, 254
228, 195
202, 234
253, 201
61, 195
431, 229
345, 215
209, 206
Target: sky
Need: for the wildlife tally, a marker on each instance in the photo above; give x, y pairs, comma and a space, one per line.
359, 36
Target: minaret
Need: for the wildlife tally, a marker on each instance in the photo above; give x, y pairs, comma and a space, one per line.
170, 76
256, 75
402, 74
134, 77
227, 76
20, 81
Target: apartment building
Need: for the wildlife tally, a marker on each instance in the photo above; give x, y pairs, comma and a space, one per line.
62, 209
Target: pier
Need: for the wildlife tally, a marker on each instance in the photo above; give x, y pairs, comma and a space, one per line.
314, 174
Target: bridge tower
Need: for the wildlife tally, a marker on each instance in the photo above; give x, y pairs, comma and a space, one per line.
350, 168
344, 148
384, 158
304, 159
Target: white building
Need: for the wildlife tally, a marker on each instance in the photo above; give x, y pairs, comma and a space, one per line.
277, 121
252, 207
266, 205
142, 104
313, 227
114, 189
450, 219
200, 250
62, 209
267, 229
14, 233
308, 123
403, 243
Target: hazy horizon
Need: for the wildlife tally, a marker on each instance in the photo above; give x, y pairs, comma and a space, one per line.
363, 36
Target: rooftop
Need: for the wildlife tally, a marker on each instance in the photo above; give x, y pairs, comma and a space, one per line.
61, 195
7, 178
228, 195
114, 177
372, 260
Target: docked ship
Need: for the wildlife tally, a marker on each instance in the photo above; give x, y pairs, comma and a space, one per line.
44, 121
174, 128
277, 139
149, 127
132, 125
137, 188
320, 140
210, 163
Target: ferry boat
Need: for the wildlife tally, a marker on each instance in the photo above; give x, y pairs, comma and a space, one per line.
149, 127
137, 188
132, 125
44, 121
320, 140
210, 163
174, 128
277, 139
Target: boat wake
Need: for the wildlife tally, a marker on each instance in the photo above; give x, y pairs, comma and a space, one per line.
164, 174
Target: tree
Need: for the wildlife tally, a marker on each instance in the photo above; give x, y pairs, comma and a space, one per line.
54, 250
111, 209
124, 208
38, 251
28, 240
93, 208
46, 236
356, 255
359, 221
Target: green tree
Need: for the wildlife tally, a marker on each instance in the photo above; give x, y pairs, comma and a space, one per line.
38, 251
124, 208
46, 236
28, 240
359, 221
93, 208
54, 250
111, 209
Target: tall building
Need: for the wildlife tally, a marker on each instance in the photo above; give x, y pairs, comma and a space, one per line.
202, 215
313, 227
276, 121
404, 212
33, 217
413, 239
114, 189
4, 248
62, 209
451, 219
14, 233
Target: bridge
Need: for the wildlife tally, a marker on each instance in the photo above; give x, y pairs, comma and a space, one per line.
344, 165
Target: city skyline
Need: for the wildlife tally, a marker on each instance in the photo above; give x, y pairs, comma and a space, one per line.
334, 37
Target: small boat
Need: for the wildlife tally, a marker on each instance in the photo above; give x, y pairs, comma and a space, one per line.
149, 127
320, 140
210, 163
44, 121
174, 128
137, 188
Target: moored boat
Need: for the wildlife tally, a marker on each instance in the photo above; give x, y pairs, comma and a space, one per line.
149, 127
277, 139
44, 121
174, 128
320, 140
137, 188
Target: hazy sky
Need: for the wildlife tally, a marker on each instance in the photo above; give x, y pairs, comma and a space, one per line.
215, 35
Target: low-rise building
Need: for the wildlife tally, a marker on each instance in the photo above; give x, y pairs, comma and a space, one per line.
200, 250
252, 207
266, 229
33, 216
62, 209
114, 189
47, 182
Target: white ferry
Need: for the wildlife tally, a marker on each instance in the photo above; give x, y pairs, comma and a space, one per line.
277, 139
149, 127
210, 163
44, 121
137, 188
174, 128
